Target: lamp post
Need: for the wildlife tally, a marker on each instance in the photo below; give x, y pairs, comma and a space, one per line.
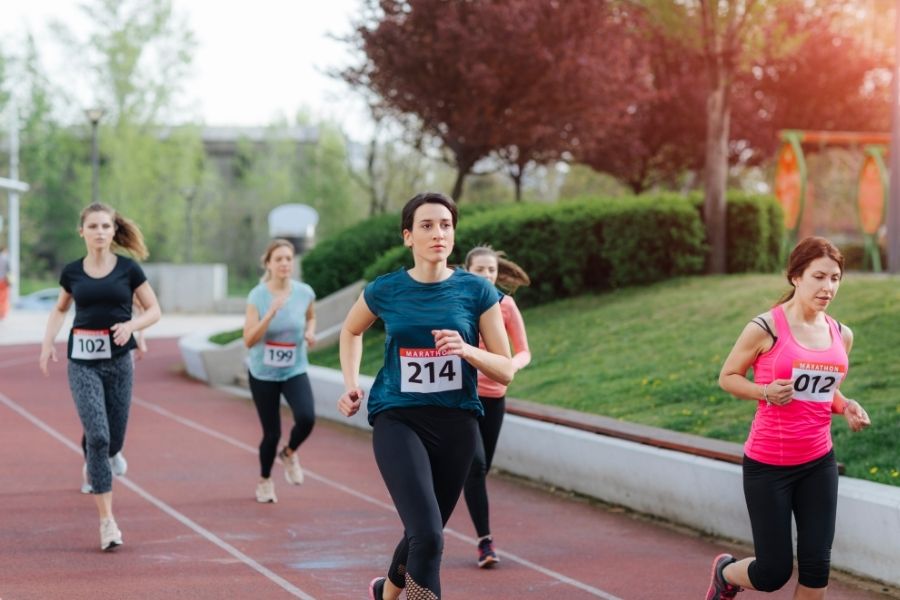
94, 115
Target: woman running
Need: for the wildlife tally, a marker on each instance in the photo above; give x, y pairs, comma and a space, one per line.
424, 404
799, 359
280, 324
100, 368
485, 262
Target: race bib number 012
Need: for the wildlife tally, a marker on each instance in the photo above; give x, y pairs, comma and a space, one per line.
816, 382
428, 370
91, 344
281, 355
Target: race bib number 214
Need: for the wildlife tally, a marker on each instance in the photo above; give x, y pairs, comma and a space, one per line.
428, 370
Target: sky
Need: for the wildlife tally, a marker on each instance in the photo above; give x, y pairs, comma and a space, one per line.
255, 61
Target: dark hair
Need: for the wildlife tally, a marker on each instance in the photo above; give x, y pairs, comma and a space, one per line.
128, 235
510, 276
409, 210
272, 247
808, 250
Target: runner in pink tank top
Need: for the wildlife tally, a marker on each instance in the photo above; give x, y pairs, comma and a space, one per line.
493, 266
799, 359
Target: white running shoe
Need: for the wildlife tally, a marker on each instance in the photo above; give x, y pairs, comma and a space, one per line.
118, 464
110, 536
293, 474
86, 487
265, 492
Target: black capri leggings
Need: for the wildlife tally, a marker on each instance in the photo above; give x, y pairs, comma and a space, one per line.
476, 483
267, 398
424, 454
773, 493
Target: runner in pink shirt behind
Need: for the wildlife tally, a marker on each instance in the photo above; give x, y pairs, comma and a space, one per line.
799, 359
493, 266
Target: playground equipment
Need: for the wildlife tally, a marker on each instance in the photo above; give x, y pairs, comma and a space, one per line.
872, 190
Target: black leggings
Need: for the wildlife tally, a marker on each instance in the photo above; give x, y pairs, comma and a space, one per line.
424, 455
476, 483
267, 398
773, 493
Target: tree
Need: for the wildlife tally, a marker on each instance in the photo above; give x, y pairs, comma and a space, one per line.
493, 75
729, 34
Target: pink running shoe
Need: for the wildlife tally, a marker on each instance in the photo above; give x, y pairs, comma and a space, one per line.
719, 589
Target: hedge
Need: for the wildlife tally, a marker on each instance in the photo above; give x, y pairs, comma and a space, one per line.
583, 245
592, 244
341, 259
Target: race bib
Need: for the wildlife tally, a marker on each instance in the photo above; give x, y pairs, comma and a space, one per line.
91, 344
279, 354
428, 370
816, 382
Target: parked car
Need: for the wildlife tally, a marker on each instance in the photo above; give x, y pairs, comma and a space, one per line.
40, 300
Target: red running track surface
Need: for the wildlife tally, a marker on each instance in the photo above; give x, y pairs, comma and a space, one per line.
193, 529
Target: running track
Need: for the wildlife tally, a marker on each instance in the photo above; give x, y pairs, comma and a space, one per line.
192, 528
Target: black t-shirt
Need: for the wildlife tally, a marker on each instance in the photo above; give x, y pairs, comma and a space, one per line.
101, 303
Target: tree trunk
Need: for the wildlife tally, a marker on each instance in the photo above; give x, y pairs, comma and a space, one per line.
461, 172
715, 172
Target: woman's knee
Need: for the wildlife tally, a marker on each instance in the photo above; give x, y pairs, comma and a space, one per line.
769, 576
427, 543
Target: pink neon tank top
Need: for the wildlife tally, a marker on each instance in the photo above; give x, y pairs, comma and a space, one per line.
799, 431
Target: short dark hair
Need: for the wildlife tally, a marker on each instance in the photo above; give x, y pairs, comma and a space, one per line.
409, 210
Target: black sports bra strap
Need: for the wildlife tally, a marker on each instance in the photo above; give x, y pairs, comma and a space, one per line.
762, 323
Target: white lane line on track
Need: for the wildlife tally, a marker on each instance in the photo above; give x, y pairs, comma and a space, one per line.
184, 520
312, 475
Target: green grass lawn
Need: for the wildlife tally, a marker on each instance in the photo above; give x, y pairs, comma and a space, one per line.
652, 355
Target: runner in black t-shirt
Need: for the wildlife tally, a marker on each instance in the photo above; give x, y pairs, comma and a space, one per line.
100, 371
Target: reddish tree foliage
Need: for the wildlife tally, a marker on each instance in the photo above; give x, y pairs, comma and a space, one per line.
512, 77
830, 81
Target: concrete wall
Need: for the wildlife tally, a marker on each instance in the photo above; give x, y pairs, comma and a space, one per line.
194, 288
702, 493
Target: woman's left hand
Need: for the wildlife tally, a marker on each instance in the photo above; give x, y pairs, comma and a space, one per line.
310, 339
122, 332
448, 341
856, 415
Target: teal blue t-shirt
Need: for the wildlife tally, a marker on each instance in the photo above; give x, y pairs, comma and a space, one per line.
413, 373
281, 353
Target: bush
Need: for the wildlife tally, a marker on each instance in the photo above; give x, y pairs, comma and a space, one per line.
755, 231
343, 258
573, 247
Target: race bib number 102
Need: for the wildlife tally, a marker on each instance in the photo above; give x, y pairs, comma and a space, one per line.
427, 370
91, 344
816, 382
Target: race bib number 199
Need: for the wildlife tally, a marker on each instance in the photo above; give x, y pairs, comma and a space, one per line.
427, 370
816, 382
278, 354
91, 344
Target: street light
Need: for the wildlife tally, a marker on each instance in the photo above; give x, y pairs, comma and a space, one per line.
94, 115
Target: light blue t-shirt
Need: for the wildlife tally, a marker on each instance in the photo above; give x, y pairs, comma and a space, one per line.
413, 373
281, 353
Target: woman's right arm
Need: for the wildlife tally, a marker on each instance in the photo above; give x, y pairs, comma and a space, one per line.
515, 329
733, 376
358, 320
254, 326
54, 323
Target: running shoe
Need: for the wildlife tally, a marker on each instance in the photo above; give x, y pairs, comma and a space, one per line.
376, 589
118, 464
719, 589
487, 558
86, 487
265, 492
293, 474
110, 536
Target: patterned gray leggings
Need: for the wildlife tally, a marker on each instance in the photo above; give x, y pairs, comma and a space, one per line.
102, 394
